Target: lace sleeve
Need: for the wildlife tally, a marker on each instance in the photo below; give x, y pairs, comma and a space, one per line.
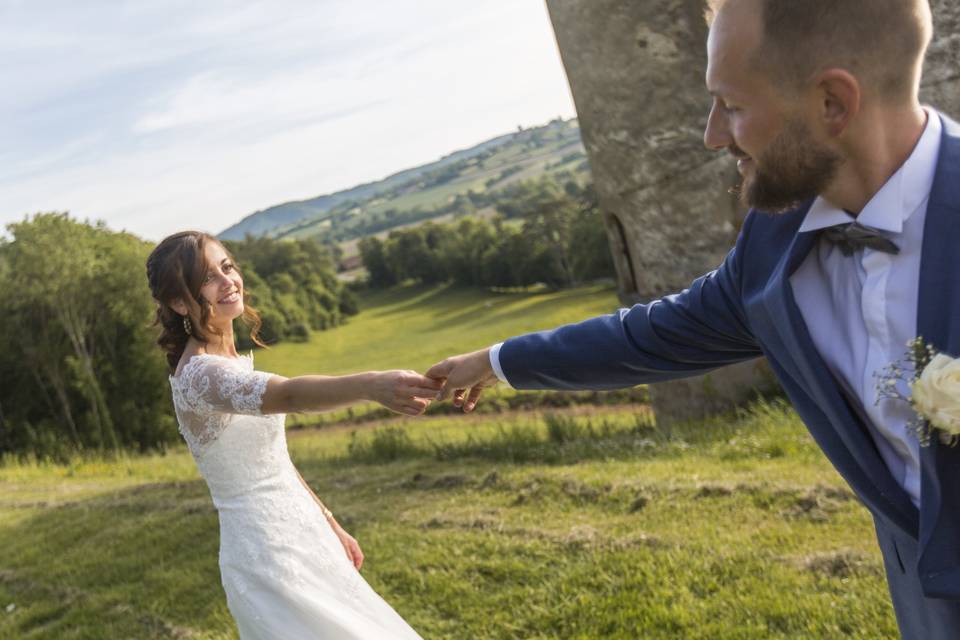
211, 388
211, 384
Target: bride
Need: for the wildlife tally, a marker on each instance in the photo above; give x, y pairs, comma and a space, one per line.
288, 568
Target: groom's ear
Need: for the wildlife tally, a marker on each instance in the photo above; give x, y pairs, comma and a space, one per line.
839, 97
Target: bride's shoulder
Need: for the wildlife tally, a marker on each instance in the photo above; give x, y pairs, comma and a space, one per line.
186, 357
197, 360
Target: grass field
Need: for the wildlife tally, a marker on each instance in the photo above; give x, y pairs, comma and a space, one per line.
585, 523
415, 327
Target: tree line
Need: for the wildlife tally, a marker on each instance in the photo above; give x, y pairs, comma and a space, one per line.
544, 232
79, 368
345, 224
293, 285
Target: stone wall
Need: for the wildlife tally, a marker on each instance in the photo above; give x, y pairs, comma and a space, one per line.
636, 71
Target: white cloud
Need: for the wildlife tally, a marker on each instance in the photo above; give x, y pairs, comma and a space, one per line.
167, 115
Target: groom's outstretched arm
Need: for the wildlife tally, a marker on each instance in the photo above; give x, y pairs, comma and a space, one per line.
695, 331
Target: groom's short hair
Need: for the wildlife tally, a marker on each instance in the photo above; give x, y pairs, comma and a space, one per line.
881, 42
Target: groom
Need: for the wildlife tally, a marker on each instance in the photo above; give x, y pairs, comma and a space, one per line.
818, 101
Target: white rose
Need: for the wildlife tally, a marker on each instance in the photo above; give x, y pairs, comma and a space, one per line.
936, 394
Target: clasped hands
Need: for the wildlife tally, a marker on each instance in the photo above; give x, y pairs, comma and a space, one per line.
463, 377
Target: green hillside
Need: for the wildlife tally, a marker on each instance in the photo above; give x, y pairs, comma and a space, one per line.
583, 523
414, 327
463, 182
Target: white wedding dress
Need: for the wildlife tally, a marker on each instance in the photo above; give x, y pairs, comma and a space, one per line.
285, 572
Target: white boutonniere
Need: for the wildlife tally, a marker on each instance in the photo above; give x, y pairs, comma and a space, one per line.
933, 380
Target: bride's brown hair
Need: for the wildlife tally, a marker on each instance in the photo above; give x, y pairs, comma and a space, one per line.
176, 269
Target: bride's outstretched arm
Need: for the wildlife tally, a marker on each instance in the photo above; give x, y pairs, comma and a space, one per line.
402, 391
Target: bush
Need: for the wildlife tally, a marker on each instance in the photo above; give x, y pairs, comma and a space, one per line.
384, 445
561, 428
298, 332
348, 303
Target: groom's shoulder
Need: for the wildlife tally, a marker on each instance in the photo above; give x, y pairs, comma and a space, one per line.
950, 140
951, 128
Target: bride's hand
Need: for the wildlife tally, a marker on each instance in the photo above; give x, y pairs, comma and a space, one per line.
403, 391
350, 545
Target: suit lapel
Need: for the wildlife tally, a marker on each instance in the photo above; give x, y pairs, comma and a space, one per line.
844, 437
938, 322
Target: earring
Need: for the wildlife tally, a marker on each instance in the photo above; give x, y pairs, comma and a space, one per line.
187, 325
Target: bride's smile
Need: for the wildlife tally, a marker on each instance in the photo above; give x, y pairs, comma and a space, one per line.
230, 298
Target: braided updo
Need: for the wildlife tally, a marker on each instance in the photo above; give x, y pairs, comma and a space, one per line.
175, 271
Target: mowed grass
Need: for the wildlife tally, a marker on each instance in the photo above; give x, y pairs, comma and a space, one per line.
737, 528
584, 523
415, 327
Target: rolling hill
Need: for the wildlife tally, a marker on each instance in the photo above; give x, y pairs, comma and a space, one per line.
461, 182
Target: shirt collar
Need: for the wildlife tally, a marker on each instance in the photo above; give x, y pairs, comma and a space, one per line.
899, 197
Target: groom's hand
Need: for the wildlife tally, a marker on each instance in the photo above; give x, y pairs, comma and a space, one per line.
468, 371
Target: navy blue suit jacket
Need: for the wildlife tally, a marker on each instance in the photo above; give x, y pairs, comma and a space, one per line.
746, 309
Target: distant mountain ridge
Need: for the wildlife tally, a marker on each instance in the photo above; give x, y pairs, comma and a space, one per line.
289, 214
522, 154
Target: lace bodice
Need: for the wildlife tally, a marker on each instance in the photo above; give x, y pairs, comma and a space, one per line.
209, 391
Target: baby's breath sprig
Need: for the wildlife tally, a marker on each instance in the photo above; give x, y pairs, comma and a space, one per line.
921, 354
907, 370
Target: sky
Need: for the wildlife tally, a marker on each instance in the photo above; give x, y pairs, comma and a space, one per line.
157, 116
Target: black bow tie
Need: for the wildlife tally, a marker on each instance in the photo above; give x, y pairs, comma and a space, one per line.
851, 236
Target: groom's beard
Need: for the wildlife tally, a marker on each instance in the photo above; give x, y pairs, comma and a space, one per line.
792, 170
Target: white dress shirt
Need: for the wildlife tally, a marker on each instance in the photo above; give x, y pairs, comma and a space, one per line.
861, 310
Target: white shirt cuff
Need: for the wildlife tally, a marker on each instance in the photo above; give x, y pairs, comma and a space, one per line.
495, 362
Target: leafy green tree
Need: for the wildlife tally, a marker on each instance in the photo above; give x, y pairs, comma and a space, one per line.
590, 257
505, 263
547, 211
375, 261
463, 250
294, 286
79, 366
